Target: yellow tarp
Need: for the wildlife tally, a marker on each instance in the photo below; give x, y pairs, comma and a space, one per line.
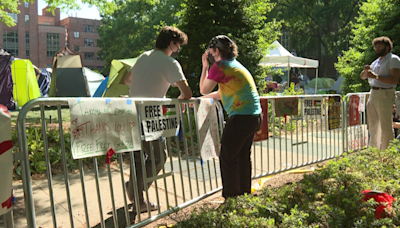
119, 69
25, 86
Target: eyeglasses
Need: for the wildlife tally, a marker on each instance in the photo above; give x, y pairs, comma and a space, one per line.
379, 46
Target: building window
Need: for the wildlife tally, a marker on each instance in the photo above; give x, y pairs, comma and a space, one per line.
89, 55
89, 42
26, 18
53, 42
76, 48
26, 4
49, 65
76, 34
14, 17
27, 44
285, 39
89, 28
10, 42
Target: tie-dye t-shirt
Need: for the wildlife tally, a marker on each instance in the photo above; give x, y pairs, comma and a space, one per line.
237, 88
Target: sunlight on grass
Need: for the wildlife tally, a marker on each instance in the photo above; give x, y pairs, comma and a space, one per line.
33, 116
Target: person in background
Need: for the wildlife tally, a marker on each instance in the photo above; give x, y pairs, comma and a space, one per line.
152, 75
384, 73
294, 79
238, 92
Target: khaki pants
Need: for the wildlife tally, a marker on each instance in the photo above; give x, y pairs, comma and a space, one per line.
159, 158
379, 113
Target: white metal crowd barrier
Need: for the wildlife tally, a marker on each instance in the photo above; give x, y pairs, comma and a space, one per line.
293, 141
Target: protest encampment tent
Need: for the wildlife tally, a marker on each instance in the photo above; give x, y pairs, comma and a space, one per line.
44, 82
6, 81
278, 56
119, 69
67, 78
25, 86
94, 80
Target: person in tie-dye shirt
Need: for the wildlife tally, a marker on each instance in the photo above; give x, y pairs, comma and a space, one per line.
241, 101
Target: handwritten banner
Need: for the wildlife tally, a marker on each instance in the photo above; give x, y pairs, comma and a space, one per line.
312, 107
207, 123
361, 106
160, 119
357, 137
99, 124
262, 134
334, 115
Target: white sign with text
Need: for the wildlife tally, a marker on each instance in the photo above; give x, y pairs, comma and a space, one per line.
99, 124
160, 119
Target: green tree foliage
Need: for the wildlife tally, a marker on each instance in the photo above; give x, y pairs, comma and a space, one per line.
317, 27
243, 21
377, 18
104, 6
133, 27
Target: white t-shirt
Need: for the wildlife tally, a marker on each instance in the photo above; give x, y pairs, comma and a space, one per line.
153, 73
382, 67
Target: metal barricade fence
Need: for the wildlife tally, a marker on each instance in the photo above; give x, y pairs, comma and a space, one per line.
294, 141
184, 179
297, 140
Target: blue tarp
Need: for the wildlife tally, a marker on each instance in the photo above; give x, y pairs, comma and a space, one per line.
101, 89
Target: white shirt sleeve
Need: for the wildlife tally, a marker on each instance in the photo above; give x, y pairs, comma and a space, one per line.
395, 62
175, 73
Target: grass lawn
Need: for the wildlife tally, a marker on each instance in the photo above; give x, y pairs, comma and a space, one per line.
34, 116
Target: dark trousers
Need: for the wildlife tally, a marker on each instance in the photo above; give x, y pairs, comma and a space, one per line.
235, 160
159, 160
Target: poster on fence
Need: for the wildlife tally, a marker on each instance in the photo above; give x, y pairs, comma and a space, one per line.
334, 112
357, 136
286, 106
160, 119
6, 163
207, 123
99, 124
354, 114
397, 103
361, 106
262, 134
312, 107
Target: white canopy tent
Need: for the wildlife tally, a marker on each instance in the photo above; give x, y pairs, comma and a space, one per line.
278, 56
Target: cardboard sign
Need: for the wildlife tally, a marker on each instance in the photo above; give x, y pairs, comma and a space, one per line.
160, 119
207, 124
286, 106
312, 107
334, 115
354, 114
99, 124
262, 134
6, 163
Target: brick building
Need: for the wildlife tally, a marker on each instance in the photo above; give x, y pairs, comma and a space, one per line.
40, 37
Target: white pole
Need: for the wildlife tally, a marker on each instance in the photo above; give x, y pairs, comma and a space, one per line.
316, 80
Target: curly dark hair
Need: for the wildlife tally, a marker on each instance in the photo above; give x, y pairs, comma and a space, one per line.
385, 40
168, 34
226, 46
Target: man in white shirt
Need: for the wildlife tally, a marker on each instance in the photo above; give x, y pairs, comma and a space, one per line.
151, 76
383, 75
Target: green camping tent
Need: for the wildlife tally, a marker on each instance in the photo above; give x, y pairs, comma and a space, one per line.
323, 83
25, 86
119, 69
67, 78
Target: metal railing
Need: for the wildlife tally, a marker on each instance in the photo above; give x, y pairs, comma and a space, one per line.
294, 141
